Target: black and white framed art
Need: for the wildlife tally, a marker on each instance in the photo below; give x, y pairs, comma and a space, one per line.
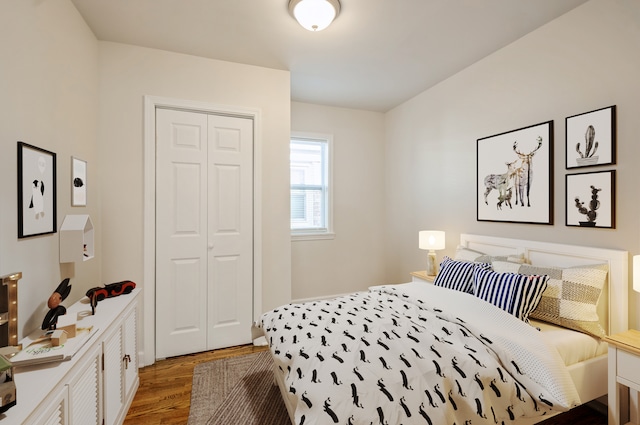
591, 138
78, 182
36, 191
590, 199
515, 175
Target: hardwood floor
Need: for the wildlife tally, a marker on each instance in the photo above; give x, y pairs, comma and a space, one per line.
164, 395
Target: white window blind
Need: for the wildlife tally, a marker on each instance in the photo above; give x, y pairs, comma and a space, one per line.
310, 209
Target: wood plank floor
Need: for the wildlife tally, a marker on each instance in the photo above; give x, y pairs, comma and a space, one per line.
164, 394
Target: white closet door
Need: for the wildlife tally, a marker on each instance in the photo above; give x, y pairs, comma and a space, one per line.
181, 232
230, 201
204, 231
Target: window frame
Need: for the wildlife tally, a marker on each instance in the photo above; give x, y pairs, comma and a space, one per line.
327, 233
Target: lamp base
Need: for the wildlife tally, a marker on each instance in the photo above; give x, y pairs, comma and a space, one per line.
432, 265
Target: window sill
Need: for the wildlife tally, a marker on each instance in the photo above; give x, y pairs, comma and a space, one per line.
312, 236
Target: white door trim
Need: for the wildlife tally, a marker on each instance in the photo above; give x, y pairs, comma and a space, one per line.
148, 346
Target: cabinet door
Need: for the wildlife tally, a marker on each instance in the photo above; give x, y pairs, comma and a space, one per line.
85, 403
55, 413
130, 335
113, 376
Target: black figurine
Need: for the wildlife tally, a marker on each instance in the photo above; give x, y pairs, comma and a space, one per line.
55, 309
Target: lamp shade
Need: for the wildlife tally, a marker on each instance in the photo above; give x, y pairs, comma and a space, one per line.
431, 239
314, 15
636, 273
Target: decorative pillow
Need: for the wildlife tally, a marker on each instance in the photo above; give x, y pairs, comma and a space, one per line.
466, 254
571, 297
516, 294
457, 275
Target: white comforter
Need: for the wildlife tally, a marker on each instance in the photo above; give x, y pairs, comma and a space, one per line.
413, 354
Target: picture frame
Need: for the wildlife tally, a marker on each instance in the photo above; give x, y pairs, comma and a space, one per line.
505, 164
78, 182
37, 204
589, 209
591, 138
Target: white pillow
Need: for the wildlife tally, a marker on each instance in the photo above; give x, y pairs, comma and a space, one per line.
466, 254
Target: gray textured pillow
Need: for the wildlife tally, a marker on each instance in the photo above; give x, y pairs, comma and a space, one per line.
571, 297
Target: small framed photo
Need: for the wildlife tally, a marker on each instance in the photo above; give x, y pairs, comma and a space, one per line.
78, 182
36, 191
591, 138
591, 199
514, 181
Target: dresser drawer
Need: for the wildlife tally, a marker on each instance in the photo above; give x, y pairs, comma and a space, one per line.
629, 366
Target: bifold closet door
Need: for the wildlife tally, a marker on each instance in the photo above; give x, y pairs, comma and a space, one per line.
230, 213
204, 231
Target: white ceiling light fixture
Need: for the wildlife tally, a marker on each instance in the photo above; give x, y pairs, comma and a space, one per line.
314, 15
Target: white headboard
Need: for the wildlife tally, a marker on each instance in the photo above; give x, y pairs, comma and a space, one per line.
614, 303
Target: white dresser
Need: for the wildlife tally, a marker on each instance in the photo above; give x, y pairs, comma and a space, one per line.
97, 385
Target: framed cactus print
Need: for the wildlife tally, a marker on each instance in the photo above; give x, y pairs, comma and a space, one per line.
591, 138
591, 199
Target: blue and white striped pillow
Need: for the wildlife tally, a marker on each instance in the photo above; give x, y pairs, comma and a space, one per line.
517, 294
457, 275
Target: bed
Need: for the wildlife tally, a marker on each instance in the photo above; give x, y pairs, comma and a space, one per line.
420, 353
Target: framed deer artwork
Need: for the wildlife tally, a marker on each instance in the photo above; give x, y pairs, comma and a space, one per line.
515, 176
591, 138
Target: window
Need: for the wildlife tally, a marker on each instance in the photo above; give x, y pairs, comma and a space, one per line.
310, 187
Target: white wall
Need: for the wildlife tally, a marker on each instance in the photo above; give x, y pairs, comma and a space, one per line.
585, 60
127, 74
355, 258
48, 98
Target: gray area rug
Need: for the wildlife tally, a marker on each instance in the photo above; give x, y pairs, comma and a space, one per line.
237, 390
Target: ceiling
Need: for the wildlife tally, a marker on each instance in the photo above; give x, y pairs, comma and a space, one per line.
376, 54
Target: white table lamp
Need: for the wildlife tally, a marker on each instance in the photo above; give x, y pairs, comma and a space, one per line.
431, 240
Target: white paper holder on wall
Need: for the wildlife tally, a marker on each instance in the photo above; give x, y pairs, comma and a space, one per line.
76, 238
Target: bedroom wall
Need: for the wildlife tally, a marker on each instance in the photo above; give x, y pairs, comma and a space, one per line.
48, 82
585, 60
127, 74
354, 259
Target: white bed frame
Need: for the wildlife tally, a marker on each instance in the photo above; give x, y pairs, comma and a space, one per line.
590, 377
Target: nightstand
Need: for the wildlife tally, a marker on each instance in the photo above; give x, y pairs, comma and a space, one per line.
624, 369
421, 276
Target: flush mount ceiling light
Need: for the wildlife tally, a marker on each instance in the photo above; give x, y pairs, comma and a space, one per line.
314, 15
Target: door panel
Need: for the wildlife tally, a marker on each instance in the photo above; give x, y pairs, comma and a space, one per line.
181, 232
230, 230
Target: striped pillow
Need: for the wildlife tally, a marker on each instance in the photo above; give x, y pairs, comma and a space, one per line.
516, 294
457, 275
